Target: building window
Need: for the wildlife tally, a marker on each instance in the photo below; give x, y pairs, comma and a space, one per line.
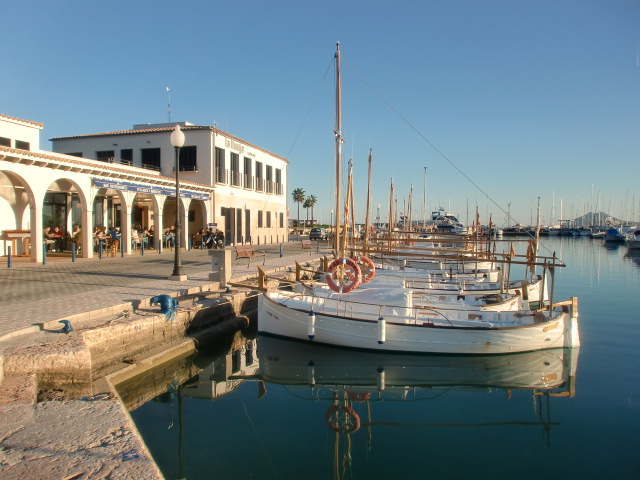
188, 159
235, 169
259, 218
248, 179
150, 158
220, 171
106, 156
5, 142
278, 181
268, 219
22, 145
281, 220
74, 154
259, 180
126, 156
247, 225
269, 179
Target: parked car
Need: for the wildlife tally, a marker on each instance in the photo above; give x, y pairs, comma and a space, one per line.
318, 234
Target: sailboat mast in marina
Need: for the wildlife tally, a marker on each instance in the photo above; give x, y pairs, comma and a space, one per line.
339, 140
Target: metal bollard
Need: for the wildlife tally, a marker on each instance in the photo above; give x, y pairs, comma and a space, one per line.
44, 254
9, 257
121, 248
142, 247
281, 254
73, 252
100, 250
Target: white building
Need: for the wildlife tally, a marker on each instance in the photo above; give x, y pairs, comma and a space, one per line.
127, 178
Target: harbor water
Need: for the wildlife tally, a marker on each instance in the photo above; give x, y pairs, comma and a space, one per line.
253, 407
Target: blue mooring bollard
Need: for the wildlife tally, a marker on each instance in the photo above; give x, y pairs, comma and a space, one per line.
122, 247
142, 247
73, 252
9, 257
44, 254
100, 250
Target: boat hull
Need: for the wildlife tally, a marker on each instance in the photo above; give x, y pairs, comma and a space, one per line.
276, 318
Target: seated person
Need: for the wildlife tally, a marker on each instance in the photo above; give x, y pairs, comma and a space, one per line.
48, 237
198, 238
76, 237
151, 233
58, 236
218, 238
170, 236
208, 238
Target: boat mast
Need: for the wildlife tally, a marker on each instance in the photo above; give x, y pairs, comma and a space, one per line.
424, 202
366, 217
338, 135
390, 229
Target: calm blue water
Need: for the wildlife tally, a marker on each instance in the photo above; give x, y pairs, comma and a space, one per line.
419, 416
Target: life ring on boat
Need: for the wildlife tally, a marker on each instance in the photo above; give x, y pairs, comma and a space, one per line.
342, 419
348, 275
359, 397
366, 265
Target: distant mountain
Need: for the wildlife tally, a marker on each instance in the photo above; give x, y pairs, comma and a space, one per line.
595, 219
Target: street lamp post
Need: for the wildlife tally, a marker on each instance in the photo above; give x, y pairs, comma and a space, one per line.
177, 141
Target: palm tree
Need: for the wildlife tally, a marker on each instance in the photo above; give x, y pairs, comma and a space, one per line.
312, 203
298, 197
307, 205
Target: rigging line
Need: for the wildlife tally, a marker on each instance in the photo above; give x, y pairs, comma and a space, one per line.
310, 106
253, 427
421, 135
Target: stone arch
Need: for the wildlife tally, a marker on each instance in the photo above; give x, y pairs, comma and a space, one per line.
17, 201
64, 203
197, 216
169, 217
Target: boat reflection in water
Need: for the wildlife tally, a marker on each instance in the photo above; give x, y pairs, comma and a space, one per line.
358, 386
354, 408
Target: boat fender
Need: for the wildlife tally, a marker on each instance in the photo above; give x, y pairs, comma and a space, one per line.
366, 265
311, 373
348, 270
380, 379
350, 419
382, 330
311, 332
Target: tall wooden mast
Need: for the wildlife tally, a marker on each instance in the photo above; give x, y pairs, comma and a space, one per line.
338, 135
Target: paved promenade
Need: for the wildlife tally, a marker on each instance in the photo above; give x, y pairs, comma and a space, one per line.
35, 293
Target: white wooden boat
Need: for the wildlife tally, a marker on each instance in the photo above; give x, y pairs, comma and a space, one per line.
422, 297
387, 321
532, 290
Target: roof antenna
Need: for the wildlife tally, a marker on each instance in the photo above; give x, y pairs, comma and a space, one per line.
169, 105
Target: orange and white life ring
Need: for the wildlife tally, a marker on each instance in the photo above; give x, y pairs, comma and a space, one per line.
367, 267
359, 397
342, 419
343, 275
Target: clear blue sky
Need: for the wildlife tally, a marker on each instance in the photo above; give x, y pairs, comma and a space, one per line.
527, 98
